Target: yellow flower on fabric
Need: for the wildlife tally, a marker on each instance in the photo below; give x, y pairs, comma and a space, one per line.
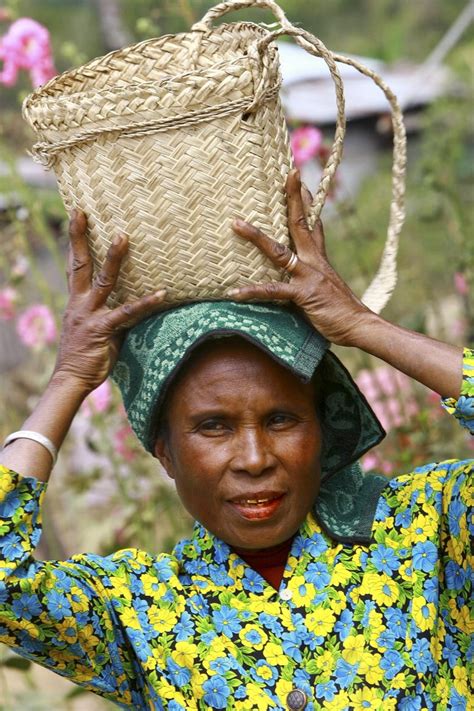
303, 592
82, 673
120, 587
422, 528
282, 689
258, 699
264, 671
406, 571
161, 619
376, 625
6, 482
185, 654
153, 587
460, 680
274, 654
353, 648
88, 639
381, 587
321, 621
366, 699
253, 636
442, 688
79, 600
456, 549
369, 667
326, 662
340, 575
129, 618
424, 613
399, 681
339, 703
67, 630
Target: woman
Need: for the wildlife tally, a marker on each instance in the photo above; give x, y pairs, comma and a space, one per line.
305, 585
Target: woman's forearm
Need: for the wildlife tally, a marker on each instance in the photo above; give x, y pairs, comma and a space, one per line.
432, 363
52, 418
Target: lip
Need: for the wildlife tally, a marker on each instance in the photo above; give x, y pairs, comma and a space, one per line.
260, 511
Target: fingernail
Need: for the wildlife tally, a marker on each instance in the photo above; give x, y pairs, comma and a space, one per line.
238, 222
233, 292
160, 293
118, 239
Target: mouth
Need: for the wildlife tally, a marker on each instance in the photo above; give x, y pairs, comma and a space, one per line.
262, 505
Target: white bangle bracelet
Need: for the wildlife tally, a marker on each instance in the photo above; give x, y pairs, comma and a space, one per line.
36, 437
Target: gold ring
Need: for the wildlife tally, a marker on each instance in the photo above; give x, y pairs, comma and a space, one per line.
292, 262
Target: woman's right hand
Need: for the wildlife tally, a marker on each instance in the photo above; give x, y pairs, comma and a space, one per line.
92, 332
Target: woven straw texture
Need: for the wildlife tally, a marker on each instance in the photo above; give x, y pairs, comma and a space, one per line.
170, 139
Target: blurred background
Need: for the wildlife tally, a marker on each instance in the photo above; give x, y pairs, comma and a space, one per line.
106, 493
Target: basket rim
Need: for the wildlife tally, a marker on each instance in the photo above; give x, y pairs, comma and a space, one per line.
57, 85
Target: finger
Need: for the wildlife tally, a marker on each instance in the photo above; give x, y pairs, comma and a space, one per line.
105, 280
278, 253
319, 238
79, 270
129, 314
297, 212
273, 291
307, 199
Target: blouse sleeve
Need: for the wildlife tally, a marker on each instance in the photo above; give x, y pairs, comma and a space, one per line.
56, 613
463, 408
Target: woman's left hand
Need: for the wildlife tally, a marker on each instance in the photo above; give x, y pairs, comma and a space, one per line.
315, 286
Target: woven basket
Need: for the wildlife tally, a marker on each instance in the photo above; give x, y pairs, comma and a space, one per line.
170, 139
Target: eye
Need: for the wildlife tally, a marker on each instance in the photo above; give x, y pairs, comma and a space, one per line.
280, 420
212, 427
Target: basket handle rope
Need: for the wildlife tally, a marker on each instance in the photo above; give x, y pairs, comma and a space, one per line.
380, 289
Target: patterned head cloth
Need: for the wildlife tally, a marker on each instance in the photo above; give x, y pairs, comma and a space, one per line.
155, 349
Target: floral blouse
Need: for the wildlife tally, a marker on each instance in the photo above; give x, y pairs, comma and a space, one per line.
383, 625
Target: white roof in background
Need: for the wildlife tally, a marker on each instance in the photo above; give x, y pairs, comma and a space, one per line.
308, 90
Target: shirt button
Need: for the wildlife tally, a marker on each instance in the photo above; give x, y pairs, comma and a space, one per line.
296, 700
286, 594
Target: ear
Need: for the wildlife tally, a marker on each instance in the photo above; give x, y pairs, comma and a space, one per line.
162, 453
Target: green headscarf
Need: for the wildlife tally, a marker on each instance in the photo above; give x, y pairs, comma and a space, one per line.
155, 349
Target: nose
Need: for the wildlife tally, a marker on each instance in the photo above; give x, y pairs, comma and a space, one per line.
253, 454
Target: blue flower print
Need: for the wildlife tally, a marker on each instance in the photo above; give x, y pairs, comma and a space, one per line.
184, 629
226, 620
456, 513
391, 662
385, 559
11, 546
271, 623
345, 673
425, 556
252, 581
326, 690
396, 622
344, 625
221, 665
451, 651
455, 576
58, 605
457, 702
27, 606
383, 510
178, 675
291, 646
217, 692
422, 656
318, 575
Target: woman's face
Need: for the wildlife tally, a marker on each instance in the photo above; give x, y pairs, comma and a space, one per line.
243, 444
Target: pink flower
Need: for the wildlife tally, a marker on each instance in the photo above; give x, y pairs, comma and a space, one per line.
460, 284
36, 326
124, 440
8, 297
26, 45
98, 400
306, 142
